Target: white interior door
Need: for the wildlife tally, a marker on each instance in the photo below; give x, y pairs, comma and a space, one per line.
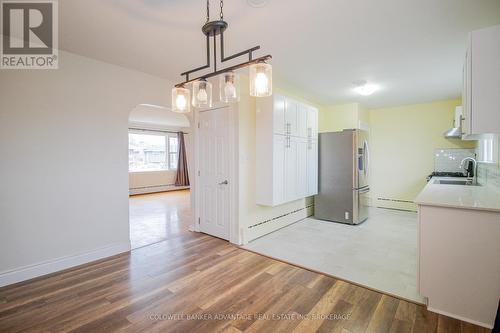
214, 172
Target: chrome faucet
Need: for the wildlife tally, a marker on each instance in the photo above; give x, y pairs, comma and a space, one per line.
473, 160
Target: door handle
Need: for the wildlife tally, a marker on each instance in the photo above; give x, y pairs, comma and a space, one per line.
224, 183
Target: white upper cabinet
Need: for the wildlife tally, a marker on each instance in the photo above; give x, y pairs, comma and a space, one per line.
286, 149
312, 123
302, 113
279, 113
481, 86
291, 117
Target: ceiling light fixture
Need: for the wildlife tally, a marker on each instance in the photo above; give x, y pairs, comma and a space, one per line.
365, 89
260, 72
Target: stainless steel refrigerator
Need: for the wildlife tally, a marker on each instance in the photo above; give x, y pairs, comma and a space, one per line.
343, 177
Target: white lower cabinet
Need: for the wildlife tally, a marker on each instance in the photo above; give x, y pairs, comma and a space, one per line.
280, 143
295, 168
312, 167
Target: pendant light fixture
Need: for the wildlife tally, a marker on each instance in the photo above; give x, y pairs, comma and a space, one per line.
229, 87
181, 102
202, 94
261, 80
260, 72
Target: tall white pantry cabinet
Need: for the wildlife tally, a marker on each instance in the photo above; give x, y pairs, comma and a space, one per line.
287, 150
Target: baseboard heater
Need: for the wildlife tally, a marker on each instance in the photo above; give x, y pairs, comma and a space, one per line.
155, 189
390, 201
267, 226
281, 216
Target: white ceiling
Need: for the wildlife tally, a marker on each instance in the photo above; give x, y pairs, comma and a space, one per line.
412, 48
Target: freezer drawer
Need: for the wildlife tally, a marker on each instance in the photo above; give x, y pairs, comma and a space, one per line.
360, 209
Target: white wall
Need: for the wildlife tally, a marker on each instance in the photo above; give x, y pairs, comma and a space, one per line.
64, 168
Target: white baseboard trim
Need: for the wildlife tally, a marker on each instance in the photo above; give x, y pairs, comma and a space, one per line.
52, 266
475, 322
155, 189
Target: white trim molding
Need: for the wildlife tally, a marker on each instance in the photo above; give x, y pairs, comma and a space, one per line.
448, 314
52, 266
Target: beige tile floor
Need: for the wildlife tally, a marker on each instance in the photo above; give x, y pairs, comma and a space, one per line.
159, 216
380, 253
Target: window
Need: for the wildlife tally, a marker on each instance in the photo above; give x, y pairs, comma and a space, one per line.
173, 151
152, 151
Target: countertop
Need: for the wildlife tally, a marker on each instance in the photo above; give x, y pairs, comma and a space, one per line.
459, 196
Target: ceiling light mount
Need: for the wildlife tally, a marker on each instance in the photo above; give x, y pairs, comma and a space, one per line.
364, 88
212, 29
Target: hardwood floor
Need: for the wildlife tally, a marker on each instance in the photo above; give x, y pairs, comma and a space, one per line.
197, 283
158, 216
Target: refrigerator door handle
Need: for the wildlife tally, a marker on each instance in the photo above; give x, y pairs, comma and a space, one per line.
366, 157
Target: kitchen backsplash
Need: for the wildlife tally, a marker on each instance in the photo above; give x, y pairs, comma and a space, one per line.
488, 174
449, 159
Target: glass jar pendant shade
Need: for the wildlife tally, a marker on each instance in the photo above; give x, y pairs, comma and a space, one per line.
229, 87
180, 100
202, 94
261, 80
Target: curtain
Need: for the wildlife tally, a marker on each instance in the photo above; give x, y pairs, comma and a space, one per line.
182, 177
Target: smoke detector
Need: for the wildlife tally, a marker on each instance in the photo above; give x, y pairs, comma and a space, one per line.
257, 3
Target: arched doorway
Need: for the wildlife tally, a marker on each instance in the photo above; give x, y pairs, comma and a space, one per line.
158, 208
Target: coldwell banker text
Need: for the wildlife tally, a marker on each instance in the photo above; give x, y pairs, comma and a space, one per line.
29, 35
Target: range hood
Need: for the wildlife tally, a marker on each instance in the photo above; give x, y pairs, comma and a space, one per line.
456, 131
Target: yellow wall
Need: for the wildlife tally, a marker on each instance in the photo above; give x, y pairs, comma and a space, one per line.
338, 117
403, 140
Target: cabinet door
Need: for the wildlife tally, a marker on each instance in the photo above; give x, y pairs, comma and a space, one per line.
291, 115
312, 167
279, 114
312, 123
302, 145
279, 146
302, 114
291, 169
295, 168
466, 96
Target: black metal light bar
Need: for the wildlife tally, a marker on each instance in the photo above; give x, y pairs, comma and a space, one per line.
212, 29
232, 68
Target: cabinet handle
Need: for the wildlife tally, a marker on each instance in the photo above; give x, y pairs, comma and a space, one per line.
309, 132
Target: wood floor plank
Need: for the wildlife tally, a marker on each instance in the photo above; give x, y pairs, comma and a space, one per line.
322, 308
383, 316
364, 306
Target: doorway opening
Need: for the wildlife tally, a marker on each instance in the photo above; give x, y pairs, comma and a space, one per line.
159, 188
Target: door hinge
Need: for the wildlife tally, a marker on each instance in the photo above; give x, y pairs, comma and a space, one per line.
198, 172
198, 124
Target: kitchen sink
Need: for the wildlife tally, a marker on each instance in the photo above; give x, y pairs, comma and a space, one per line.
454, 182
